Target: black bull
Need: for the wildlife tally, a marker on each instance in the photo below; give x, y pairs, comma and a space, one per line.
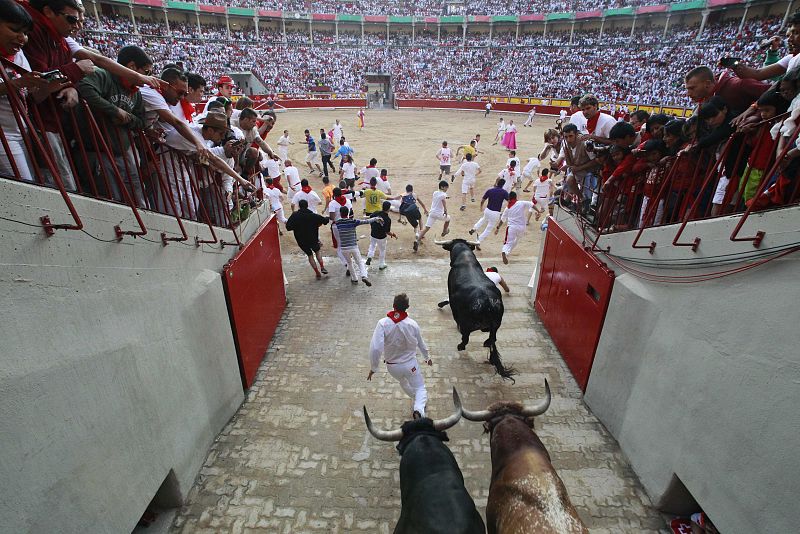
475, 301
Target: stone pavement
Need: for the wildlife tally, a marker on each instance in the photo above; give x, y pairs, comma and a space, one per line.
297, 457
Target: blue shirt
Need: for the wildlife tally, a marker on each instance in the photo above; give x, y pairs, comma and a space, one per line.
312, 145
344, 150
495, 196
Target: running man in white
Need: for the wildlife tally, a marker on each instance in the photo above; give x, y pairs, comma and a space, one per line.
438, 212
292, 181
274, 195
509, 175
283, 145
470, 171
531, 115
444, 156
516, 215
338, 132
309, 195
397, 337
501, 131
562, 115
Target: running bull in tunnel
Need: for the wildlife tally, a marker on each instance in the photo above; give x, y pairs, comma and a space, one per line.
526, 494
475, 301
434, 499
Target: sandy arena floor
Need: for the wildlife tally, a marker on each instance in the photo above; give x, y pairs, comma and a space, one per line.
405, 142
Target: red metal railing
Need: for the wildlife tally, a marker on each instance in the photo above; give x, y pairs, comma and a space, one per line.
695, 184
88, 155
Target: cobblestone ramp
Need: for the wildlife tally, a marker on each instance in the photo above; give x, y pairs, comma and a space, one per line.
297, 457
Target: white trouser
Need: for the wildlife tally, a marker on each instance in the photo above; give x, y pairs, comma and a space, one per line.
20, 157
279, 214
61, 160
380, 244
409, 375
513, 234
529, 121
283, 153
490, 218
659, 212
339, 254
354, 262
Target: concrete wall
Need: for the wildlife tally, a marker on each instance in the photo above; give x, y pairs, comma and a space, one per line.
701, 380
117, 364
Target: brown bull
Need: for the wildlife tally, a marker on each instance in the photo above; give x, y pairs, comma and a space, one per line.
526, 495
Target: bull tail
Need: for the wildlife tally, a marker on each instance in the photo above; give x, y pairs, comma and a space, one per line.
507, 373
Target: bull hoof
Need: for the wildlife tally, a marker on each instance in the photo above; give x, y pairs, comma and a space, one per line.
462, 346
487, 343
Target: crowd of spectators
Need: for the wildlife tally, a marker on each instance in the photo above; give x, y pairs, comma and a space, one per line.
651, 71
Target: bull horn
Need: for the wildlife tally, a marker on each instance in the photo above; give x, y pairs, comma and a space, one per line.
444, 424
443, 242
383, 435
473, 243
540, 408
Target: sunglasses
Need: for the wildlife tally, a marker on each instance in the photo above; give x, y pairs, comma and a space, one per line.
72, 19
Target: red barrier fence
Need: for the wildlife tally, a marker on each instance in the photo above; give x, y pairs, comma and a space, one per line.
476, 106
253, 282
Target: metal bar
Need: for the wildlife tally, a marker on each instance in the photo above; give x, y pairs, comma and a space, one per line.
164, 191
652, 208
197, 240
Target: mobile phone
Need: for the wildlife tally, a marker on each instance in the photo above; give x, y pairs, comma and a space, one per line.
53, 75
729, 61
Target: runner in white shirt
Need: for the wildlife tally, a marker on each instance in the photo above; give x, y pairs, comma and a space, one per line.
531, 115
274, 195
348, 172
509, 174
283, 145
397, 338
444, 156
516, 215
438, 212
470, 171
562, 115
513, 157
293, 182
338, 132
543, 191
307, 194
501, 131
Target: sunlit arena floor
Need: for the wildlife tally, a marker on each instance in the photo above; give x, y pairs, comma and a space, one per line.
297, 457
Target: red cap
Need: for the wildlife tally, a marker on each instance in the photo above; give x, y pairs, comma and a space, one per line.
225, 79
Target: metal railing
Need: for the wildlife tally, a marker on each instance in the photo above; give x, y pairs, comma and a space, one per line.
79, 152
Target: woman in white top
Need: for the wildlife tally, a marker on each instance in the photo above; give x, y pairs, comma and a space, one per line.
348, 172
15, 23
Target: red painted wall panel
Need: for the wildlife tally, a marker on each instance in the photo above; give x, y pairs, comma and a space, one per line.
572, 299
253, 282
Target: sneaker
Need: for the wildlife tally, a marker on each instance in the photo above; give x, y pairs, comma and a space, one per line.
318, 275
463, 207
452, 178
369, 261
477, 247
446, 232
473, 200
366, 282
415, 246
443, 303
324, 270
382, 267
505, 258
347, 272
354, 282
471, 231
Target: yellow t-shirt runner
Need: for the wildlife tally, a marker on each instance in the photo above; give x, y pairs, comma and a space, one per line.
468, 149
373, 199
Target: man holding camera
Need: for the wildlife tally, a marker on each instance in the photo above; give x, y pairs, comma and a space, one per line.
581, 166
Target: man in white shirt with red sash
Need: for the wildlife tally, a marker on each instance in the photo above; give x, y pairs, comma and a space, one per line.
397, 337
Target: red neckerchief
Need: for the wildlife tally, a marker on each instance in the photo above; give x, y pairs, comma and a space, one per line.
511, 171
7, 56
511, 202
306, 189
128, 86
341, 200
39, 17
543, 178
373, 187
270, 186
188, 109
385, 178
396, 316
591, 124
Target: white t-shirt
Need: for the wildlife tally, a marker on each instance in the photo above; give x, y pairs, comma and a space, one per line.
519, 163
501, 126
153, 102
562, 114
603, 128
349, 171
368, 173
509, 176
437, 204
517, 215
274, 195
533, 164
494, 277
292, 177
283, 141
179, 142
7, 120
542, 189
384, 185
444, 156
470, 170
273, 167
311, 197
334, 206
579, 120
789, 61
177, 110
73, 45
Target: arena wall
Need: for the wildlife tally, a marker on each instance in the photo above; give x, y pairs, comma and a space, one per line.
699, 380
118, 364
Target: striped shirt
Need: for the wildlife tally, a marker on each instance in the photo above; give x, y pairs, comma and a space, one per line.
347, 230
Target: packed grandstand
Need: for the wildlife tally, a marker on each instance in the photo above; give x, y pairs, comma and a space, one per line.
431, 59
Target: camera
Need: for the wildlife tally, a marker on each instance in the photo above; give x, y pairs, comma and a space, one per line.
729, 61
53, 75
589, 146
